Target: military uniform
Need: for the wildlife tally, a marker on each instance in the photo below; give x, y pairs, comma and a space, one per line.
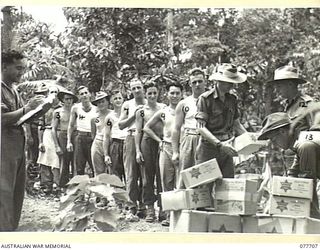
219, 117
12, 167
295, 108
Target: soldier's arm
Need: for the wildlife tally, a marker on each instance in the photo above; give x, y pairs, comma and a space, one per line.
202, 119
238, 127
72, 123
10, 118
93, 128
179, 119
151, 123
107, 135
139, 126
125, 120
54, 124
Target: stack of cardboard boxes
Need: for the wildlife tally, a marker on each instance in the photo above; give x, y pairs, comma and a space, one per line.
288, 209
212, 204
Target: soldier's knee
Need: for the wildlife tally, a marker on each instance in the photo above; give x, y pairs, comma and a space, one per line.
308, 146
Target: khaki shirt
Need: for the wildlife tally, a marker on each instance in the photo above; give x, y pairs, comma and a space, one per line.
10, 101
296, 110
219, 116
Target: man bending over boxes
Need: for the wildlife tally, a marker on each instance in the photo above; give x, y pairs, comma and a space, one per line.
277, 127
218, 119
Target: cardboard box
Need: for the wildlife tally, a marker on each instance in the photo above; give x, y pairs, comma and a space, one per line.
247, 143
186, 199
236, 189
282, 205
224, 223
188, 221
201, 174
275, 224
292, 187
249, 224
235, 207
307, 225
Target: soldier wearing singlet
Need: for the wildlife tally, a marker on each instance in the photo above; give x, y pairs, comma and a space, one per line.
127, 120
60, 121
97, 132
114, 138
184, 154
147, 149
80, 119
166, 116
48, 159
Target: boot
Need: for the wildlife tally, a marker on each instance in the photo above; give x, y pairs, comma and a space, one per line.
151, 216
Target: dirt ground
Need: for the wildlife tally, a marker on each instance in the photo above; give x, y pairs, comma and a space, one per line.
39, 213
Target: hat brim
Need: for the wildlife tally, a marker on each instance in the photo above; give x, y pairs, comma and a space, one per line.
241, 78
94, 102
62, 93
265, 134
298, 80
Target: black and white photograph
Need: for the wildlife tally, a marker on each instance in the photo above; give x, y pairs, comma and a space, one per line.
160, 120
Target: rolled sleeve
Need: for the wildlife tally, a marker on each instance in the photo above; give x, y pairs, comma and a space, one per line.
202, 110
4, 108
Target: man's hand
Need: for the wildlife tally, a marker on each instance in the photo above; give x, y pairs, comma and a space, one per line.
228, 149
34, 102
175, 159
59, 150
69, 147
107, 160
139, 158
42, 147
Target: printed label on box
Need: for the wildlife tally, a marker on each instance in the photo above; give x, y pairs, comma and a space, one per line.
292, 187
235, 207
186, 199
247, 143
201, 174
289, 206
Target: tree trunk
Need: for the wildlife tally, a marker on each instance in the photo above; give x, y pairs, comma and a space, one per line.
170, 31
6, 32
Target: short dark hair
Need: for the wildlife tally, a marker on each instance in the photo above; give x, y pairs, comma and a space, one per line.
150, 84
82, 87
174, 84
9, 56
196, 71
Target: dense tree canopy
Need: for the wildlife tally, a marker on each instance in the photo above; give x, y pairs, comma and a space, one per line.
104, 48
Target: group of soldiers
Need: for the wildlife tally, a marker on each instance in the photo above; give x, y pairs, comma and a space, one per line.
144, 142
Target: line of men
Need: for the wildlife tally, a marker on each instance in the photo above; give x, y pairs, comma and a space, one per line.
140, 140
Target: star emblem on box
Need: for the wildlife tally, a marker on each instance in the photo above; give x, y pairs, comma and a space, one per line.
282, 205
195, 173
285, 185
195, 198
222, 229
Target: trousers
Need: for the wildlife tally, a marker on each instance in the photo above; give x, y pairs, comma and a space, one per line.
168, 171
206, 151
65, 160
187, 158
149, 150
116, 155
12, 180
97, 156
82, 153
132, 171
